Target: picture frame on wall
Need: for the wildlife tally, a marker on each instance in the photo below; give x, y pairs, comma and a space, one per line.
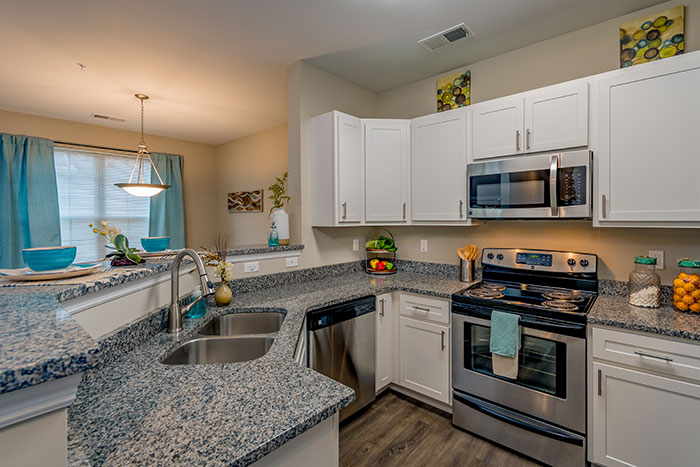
245, 201
653, 37
454, 90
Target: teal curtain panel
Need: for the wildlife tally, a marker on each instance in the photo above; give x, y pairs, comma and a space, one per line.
167, 214
28, 197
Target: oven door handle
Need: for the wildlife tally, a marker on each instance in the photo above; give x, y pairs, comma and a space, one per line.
505, 416
523, 320
575, 327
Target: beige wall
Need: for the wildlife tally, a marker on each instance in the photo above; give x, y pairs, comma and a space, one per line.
249, 163
581, 53
199, 169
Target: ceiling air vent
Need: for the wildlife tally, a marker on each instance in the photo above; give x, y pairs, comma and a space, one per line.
108, 117
446, 37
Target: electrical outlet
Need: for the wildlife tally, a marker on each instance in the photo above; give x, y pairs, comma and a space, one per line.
292, 262
252, 266
424, 245
659, 255
355, 244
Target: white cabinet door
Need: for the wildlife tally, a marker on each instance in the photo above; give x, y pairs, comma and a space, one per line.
387, 177
649, 138
641, 419
384, 341
424, 363
496, 128
439, 166
350, 172
557, 117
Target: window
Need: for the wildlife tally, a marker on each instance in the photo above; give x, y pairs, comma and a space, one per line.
87, 195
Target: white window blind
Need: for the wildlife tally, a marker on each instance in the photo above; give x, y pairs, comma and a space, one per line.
87, 195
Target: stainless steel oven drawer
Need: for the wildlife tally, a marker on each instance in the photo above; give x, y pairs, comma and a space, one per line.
541, 441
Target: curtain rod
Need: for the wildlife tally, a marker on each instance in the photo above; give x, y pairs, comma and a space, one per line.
65, 143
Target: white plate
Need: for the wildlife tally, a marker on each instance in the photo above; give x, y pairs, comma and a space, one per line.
26, 274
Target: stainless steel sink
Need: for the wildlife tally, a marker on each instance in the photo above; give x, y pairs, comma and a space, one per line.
238, 324
204, 350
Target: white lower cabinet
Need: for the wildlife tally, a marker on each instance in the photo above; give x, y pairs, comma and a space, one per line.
424, 362
384, 341
641, 413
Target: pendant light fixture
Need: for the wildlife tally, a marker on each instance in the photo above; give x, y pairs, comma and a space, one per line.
138, 187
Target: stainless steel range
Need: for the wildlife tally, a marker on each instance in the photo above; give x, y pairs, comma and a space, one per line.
541, 413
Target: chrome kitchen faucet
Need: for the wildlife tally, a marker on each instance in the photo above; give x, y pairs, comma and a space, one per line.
176, 312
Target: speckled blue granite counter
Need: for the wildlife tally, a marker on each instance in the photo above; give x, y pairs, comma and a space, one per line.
258, 249
39, 341
138, 411
615, 311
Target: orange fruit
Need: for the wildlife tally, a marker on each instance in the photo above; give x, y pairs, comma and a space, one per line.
680, 291
689, 287
682, 275
681, 306
678, 283
695, 307
688, 300
694, 278
677, 298
696, 294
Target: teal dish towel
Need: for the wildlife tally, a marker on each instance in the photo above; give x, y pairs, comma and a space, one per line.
505, 334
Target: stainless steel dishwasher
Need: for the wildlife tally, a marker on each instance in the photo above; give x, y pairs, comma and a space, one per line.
341, 345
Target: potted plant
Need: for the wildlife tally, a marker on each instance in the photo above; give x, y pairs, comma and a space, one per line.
123, 254
278, 215
216, 257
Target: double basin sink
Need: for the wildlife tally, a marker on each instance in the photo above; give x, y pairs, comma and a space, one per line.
236, 337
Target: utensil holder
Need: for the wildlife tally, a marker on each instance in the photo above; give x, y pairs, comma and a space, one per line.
466, 270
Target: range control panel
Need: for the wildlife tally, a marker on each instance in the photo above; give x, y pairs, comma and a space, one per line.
540, 260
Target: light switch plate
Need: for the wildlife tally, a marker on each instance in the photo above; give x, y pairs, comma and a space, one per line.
252, 266
424, 245
659, 255
292, 262
355, 244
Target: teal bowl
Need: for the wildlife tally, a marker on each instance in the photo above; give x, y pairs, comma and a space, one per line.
49, 258
155, 243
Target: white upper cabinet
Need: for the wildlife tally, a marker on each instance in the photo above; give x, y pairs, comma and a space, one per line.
337, 169
387, 147
648, 145
439, 166
557, 117
350, 174
497, 128
551, 118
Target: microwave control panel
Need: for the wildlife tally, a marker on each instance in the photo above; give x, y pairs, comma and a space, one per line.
572, 186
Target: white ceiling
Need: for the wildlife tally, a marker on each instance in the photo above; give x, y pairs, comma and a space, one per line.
216, 69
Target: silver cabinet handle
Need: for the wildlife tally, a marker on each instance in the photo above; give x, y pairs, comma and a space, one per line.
517, 140
461, 209
420, 308
345, 211
600, 382
404, 211
603, 202
527, 139
651, 355
442, 339
553, 174
381, 311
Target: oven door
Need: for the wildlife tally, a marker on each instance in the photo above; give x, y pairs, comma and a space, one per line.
540, 186
551, 382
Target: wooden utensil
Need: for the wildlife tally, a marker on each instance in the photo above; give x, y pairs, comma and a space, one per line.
462, 254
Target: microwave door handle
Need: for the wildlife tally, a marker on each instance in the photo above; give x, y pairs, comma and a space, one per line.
553, 174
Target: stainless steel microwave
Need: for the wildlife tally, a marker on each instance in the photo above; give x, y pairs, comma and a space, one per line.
542, 186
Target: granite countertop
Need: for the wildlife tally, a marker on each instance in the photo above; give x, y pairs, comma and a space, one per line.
615, 311
139, 411
239, 250
39, 340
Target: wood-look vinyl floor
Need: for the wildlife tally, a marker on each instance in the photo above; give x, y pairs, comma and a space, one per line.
399, 431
